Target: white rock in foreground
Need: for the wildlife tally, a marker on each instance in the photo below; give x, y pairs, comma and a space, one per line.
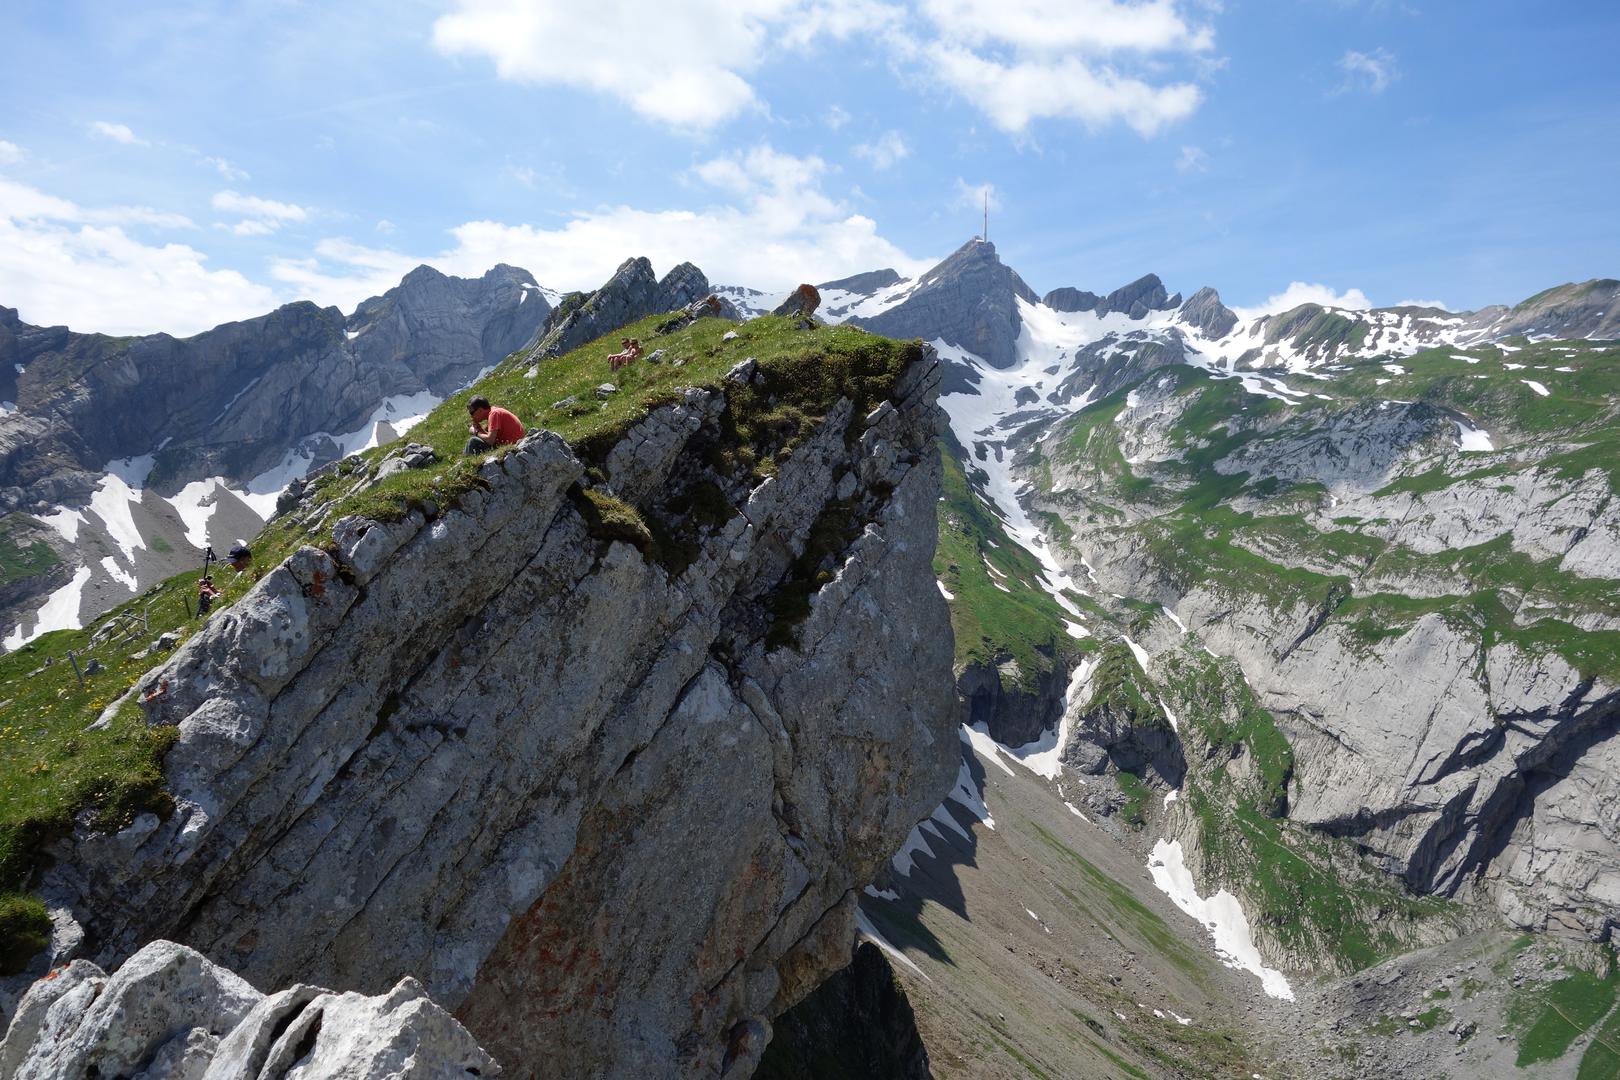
171, 1014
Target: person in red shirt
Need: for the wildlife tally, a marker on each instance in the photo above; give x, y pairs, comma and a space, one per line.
491, 427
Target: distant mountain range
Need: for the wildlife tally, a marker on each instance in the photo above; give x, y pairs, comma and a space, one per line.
1313, 614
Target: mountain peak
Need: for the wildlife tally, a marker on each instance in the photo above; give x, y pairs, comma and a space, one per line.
1144, 295
970, 300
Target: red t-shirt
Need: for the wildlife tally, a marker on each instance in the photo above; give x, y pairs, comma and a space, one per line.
503, 427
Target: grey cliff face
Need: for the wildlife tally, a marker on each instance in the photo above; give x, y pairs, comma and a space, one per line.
580, 798
170, 1014
970, 300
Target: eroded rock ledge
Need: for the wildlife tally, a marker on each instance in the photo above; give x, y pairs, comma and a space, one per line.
576, 794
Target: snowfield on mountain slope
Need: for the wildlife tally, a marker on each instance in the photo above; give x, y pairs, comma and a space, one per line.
124, 510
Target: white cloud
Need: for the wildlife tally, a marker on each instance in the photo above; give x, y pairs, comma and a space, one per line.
778, 227
259, 217
1300, 292
385, 226
119, 133
1372, 72
972, 196
11, 153
65, 264
687, 68
1441, 304
888, 150
1192, 159
226, 169
1014, 94
1098, 26
837, 116
1020, 61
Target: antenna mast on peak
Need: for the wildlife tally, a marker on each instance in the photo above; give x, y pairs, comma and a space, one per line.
986, 237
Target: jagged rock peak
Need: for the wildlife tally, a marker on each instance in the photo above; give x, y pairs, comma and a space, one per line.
977, 260
865, 284
1068, 298
1144, 295
633, 292
1204, 310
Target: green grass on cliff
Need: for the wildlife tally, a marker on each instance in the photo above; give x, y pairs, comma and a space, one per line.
999, 611
52, 768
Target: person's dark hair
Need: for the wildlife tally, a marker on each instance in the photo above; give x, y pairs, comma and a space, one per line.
477, 403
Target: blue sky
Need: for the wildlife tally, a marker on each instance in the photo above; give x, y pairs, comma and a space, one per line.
171, 166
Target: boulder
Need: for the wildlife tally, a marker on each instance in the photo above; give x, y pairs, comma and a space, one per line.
801, 303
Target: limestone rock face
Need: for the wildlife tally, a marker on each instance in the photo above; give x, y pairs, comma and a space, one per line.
614, 815
170, 1014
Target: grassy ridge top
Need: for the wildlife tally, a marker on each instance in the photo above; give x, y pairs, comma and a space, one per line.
52, 768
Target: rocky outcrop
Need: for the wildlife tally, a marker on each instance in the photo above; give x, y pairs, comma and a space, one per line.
170, 1014
611, 809
1069, 298
1205, 311
970, 300
1012, 716
633, 292
1588, 310
1138, 299
801, 303
857, 1025
1112, 724
862, 284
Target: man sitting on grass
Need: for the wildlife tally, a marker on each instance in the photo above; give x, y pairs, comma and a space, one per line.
491, 427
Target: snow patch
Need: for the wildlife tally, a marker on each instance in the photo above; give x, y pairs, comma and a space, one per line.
59, 612
195, 503
64, 521
118, 573
113, 497
1221, 915
1537, 387
986, 747
1471, 439
943, 591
